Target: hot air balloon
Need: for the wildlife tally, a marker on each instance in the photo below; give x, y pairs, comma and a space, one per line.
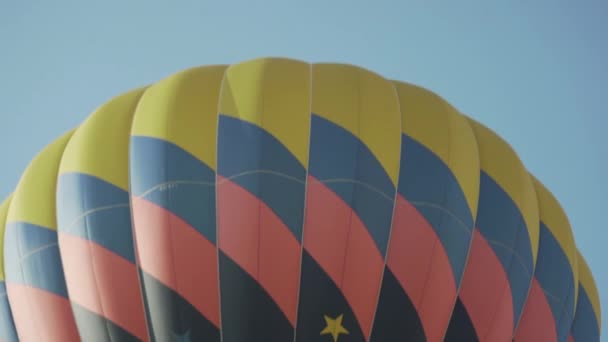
278, 200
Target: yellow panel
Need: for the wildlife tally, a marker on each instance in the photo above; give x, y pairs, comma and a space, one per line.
553, 216
500, 162
434, 123
588, 283
273, 94
183, 109
363, 103
34, 198
3, 212
464, 159
100, 146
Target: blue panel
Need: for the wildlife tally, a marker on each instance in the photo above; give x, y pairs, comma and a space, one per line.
174, 179
8, 332
95, 210
93, 327
428, 183
455, 239
556, 279
501, 223
260, 163
585, 326
349, 168
32, 258
565, 318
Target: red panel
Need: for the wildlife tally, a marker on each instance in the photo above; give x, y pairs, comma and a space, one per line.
176, 254
537, 323
570, 338
279, 267
338, 240
486, 294
363, 270
252, 235
103, 283
152, 236
421, 265
41, 316
238, 224
326, 227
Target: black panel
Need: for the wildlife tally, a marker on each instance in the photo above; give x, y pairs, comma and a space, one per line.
319, 296
461, 327
140, 274
172, 318
248, 312
93, 327
396, 317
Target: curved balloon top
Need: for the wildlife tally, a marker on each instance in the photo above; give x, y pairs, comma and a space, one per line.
96, 146
433, 122
554, 219
500, 162
182, 109
36, 188
279, 200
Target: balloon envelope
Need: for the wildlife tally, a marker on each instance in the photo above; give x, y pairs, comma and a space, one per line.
277, 200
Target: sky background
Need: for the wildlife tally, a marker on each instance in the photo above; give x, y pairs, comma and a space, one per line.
536, 72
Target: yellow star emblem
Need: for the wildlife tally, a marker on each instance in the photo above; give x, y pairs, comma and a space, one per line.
333, 327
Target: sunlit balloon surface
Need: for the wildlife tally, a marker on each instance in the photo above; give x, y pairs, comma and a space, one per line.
277, 200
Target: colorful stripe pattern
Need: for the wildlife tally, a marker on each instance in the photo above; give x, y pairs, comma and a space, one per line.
549, 309
172, 173
277, 200
35, 281
501, 262
262, 158
354, 165
433, 221
176, 242
95, 233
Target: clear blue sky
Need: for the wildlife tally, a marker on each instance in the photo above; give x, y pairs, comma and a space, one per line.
534, 71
